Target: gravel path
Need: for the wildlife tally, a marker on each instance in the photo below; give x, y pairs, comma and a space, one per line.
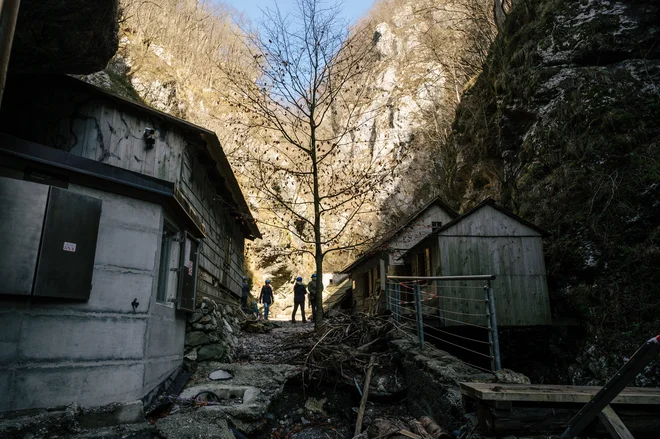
275, 346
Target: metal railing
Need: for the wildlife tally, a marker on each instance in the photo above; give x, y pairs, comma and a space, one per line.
449, 311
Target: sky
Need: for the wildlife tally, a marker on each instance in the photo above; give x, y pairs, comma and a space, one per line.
352, 9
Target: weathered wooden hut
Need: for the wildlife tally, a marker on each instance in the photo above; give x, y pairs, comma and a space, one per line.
384, 258
488, 239
114, 216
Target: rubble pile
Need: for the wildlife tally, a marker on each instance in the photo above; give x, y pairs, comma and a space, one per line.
212, 332
342, 350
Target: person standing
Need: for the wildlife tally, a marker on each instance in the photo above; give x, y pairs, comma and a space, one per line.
266, 297
312, 293
299, 292
245, 290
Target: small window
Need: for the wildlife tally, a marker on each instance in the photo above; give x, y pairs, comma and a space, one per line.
166, 244
435, 226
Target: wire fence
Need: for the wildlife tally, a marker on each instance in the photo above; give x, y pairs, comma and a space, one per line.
455, 313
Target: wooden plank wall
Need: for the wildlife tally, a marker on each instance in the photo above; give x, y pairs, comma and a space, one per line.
107, 134
490, 242
415, 232
220, 226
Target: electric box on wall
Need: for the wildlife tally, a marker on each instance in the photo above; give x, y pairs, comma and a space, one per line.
48, 237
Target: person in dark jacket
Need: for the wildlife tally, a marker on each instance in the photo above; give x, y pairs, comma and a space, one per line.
245, 290
311, 287
266, 297
299, 292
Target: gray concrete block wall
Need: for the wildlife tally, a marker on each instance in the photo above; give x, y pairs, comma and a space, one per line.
101, 351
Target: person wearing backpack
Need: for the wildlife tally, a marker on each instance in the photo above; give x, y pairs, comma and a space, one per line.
312, 293
299, 292
266, 297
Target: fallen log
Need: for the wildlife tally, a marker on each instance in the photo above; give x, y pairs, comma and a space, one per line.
365, 394
418, 428
433, 428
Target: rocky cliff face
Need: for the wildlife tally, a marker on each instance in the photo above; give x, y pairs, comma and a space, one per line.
562, 126
414, 82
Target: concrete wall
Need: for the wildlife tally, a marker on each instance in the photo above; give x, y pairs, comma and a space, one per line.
53, 353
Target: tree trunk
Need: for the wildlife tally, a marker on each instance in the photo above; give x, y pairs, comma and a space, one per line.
318, 253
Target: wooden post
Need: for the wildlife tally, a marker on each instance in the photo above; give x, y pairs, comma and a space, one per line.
613, 424
491, 348
365, 394
397, 301
8, 17
496, 336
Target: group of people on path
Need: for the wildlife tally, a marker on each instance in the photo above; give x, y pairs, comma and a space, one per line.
300, 290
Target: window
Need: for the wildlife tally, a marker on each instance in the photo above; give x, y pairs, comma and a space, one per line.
166, 249
435, 226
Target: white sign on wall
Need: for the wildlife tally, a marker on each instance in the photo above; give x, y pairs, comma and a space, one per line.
70, 247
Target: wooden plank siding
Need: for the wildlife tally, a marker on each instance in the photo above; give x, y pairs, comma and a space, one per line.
100, 131
415, 232
490, 242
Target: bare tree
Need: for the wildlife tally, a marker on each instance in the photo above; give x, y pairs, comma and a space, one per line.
305, 101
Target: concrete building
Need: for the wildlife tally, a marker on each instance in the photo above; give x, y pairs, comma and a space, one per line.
488, 239
114, 217
384, 258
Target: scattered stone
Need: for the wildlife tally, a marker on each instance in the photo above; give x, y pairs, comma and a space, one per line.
220, 374
193, 425
216, 352
508, 376
315, 405
195, 317
196, 338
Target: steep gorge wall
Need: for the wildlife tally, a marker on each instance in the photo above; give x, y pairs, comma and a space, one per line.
562, 127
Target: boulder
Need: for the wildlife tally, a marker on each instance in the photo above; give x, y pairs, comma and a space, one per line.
191, 354
195, 317
227, 326
205, 320
196, 338
215, 352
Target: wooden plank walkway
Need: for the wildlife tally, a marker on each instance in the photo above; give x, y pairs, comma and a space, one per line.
555, 393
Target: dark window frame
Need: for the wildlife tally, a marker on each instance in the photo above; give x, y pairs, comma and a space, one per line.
168, 238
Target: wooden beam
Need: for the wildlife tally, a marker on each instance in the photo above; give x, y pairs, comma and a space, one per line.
613, 424
555, 393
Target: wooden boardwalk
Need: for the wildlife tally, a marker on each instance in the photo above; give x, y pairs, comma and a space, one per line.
511, 409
